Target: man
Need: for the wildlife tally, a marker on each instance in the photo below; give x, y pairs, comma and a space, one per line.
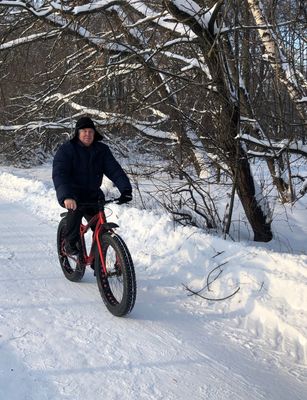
78, 169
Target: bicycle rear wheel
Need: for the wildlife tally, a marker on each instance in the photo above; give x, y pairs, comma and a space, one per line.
118, 285
71, 266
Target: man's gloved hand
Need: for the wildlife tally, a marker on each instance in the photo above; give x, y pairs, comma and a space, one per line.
125, 197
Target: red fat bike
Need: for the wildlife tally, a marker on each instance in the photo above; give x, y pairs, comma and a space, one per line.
108, 256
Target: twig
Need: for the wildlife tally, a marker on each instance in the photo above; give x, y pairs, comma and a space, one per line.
218, 254
210, 299
219, 266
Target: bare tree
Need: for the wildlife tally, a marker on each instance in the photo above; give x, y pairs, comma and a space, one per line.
181, 74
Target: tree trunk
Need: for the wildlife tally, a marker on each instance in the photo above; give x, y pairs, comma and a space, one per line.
260, 223
278, 181
277, 58
234, 154
186, 140
253, 203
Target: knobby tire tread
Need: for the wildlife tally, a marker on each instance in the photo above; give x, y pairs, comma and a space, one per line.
126, 304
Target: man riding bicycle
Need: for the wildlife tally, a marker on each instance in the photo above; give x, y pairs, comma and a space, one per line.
78, 168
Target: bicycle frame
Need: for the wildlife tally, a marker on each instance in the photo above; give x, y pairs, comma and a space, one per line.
107, 254
101, 225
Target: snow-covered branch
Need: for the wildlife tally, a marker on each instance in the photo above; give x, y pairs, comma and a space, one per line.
28, 39
198, 18
101, 119
292, 146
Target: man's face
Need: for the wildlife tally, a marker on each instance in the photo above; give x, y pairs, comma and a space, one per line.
86, 136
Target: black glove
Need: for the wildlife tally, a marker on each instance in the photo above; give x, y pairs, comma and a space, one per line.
125, 197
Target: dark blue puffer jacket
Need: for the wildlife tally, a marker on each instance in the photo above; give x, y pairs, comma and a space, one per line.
78, 171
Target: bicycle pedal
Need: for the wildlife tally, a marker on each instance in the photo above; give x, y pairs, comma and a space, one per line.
80, 261
79, 268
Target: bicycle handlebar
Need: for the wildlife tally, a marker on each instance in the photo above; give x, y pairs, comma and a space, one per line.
99, 203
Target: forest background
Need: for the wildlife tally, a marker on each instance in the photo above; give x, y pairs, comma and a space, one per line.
214, 90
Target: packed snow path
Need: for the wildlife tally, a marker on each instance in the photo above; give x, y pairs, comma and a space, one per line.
58, 341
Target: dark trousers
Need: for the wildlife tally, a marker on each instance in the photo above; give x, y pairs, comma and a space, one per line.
73, 221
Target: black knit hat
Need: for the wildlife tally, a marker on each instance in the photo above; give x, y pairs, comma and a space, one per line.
86, 122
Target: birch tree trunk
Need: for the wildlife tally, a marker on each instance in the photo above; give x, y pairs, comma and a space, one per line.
278, 60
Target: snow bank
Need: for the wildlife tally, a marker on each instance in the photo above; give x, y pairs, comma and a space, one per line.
32, 193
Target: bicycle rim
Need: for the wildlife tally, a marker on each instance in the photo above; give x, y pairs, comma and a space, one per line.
114, 273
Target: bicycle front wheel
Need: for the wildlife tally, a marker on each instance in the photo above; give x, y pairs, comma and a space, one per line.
117, 285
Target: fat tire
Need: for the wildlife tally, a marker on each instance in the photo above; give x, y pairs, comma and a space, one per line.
126, 276
72, 272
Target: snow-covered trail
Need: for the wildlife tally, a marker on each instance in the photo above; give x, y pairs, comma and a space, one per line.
58, 341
